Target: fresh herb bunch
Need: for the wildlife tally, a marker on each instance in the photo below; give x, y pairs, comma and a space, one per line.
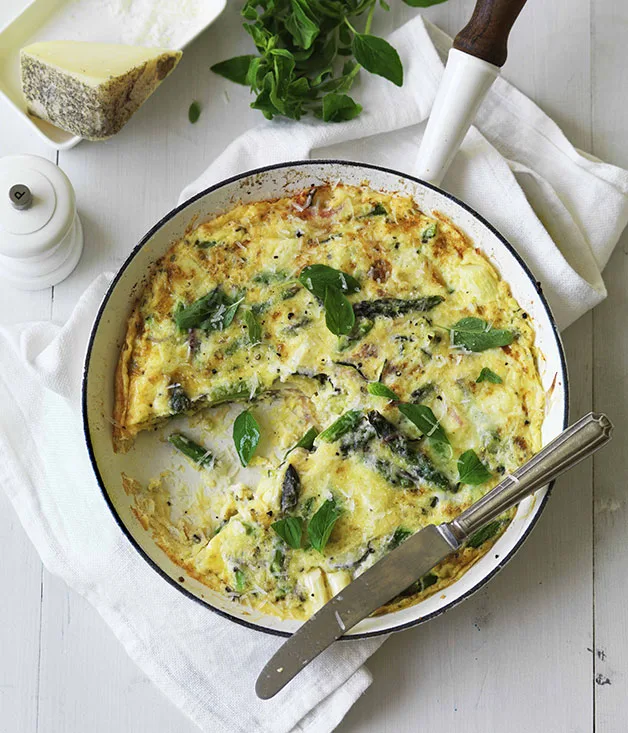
310, 54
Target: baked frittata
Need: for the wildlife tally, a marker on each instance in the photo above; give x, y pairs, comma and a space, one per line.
356, 369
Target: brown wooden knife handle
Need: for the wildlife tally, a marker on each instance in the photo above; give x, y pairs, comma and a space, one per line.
486, 34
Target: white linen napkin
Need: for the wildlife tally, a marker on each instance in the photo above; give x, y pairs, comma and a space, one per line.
563, 210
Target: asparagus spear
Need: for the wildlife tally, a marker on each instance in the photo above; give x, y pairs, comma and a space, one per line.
484, 534
342, 425
192, 450
227, 393
358, 440
391, 473
357, 333
290, 489
417, 465
276, 566
394, 307
420, 585
179, 401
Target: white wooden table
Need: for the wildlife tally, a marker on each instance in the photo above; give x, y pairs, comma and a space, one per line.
544, 647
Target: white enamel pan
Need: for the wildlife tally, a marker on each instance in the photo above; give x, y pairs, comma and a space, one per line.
272, 182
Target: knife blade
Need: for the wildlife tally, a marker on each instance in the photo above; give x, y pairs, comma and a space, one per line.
387, 578
397, 570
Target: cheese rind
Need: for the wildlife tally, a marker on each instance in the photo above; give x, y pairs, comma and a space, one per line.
91, 89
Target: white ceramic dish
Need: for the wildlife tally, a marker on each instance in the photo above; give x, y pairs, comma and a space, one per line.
141, 461
104, 21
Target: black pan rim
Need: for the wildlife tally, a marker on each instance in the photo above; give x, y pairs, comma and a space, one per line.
173, 212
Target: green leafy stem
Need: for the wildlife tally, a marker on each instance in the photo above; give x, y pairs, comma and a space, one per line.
309, 55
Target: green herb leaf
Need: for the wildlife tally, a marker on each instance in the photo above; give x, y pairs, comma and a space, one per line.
358, 332
475, 334
303, 28
253, 326
276, 565
246, 435
194, 112
317, 278
339, 108
192, 450
330, 285
342, 425
484, 534
400, 535
235, 69
249, 11
425, 420
428, 580
378, 56
300, 43
225, 318
213, 312
307, 441
378, 210
428, 233
339, 315
261, 36
381, 390
471, 470
290, 530
487, 375
320, 526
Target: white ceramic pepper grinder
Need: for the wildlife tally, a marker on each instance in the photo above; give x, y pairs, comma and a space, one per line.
41, 238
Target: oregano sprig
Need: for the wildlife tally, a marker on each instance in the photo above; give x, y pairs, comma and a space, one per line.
309, 53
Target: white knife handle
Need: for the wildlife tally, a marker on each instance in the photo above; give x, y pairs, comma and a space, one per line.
575, 444
464, 85
479, 50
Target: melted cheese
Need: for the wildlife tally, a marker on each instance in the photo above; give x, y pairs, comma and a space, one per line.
301, 375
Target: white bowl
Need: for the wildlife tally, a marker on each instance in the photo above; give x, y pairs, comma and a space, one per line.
81, 20
140, 462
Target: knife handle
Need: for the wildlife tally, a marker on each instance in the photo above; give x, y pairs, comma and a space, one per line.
573, 445
486, 34
478, 53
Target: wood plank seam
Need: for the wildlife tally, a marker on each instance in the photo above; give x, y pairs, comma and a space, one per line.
39, 653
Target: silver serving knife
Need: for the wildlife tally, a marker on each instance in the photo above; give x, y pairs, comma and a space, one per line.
418, 554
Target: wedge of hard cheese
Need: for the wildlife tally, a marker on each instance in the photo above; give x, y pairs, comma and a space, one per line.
91, 89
